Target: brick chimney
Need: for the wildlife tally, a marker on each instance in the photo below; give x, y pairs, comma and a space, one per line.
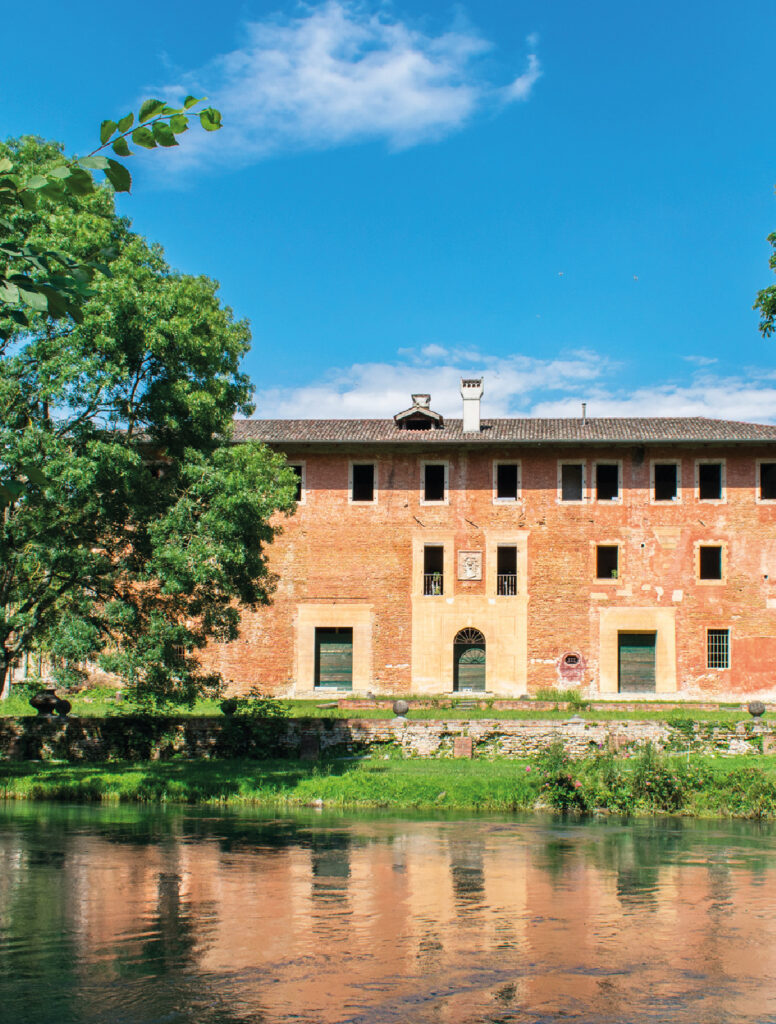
471, 392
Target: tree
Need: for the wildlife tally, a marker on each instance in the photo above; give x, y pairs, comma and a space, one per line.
766, 298
132, 530
50, 280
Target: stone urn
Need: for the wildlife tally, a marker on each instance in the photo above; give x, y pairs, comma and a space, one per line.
756, 709
400, 708
228, 706
47, 703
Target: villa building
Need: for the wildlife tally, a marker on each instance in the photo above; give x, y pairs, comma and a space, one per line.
427, 555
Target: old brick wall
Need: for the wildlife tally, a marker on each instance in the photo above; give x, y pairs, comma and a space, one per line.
332, 551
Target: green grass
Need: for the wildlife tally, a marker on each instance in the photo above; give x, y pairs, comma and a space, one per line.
642, 784
100, 702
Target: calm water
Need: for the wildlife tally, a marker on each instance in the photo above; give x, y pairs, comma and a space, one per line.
131, 917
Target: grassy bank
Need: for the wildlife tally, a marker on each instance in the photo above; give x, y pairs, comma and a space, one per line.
645, 784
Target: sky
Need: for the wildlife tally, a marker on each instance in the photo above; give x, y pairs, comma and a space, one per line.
569, 198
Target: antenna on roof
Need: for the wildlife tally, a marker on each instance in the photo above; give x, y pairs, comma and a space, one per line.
584, 413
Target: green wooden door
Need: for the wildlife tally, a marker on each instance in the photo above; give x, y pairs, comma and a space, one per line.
334, 658
636, 662
469, 665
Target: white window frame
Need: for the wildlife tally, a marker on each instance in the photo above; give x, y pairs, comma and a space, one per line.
434, 462
375, 489
572, 462
518, 495
679, 490
594, 489
302, 477
758, 484
723, 481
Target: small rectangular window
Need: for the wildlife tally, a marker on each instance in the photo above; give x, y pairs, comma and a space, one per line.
363, 482
768, 481
607, 481
506, 571
506, 481
433, 570
710, 562
718, 648
299, 470
666, 481
607, 561
434, 481
710, 481
571, 481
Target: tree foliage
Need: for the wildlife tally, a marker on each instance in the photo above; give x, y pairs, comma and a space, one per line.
44, 279
131, 528
766, 298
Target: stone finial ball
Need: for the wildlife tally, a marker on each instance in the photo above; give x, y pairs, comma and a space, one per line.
756, 708
400, 707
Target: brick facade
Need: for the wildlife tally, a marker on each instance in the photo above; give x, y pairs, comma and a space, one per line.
344, 563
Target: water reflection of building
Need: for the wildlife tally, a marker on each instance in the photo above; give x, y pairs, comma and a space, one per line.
472, 914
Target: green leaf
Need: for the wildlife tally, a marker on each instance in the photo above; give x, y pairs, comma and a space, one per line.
8, 292
107, 128
190, 101
210, 119
34, 299
179, 123
144, 137
118, 176
126, 123
35, 476
54, 190
80, 182
120, 148
150, 109
164, 134
37, 181
5, 165
93, 163
10, 491
18, 317
61, 172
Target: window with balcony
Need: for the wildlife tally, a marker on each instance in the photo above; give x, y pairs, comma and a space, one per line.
506, 571
433, 570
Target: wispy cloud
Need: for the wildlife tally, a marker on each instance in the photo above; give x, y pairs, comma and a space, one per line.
517, 386
343, 72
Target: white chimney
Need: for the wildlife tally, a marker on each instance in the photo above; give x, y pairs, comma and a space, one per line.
471, 393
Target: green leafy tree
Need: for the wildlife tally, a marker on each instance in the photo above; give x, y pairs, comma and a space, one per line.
48, 280
131, 529
766, 299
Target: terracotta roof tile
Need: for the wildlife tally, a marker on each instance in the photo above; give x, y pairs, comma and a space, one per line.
626, 430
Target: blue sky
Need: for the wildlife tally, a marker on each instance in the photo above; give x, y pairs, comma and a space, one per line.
572, 198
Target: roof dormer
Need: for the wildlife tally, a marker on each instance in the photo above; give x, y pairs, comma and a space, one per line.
420, 415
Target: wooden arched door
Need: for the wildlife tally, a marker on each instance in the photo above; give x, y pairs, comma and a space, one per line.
469, 660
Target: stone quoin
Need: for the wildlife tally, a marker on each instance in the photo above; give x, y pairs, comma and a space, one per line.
430, 555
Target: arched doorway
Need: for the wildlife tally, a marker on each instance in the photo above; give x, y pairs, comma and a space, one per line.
469, 660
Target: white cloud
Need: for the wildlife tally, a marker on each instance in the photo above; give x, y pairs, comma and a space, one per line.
517, 386
341, 73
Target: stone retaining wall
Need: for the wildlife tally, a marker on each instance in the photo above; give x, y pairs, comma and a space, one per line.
144, 738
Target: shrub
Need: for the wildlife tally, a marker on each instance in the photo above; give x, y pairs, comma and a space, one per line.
560, 786
657, 783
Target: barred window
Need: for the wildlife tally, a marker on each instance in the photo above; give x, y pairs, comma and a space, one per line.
718, 648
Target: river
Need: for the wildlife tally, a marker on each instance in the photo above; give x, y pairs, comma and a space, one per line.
125, 915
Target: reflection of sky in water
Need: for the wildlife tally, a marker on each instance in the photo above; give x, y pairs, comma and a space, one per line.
149, 917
